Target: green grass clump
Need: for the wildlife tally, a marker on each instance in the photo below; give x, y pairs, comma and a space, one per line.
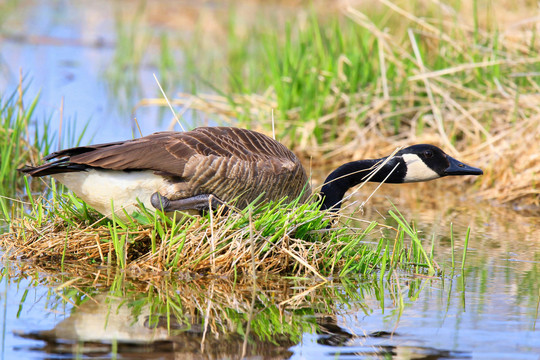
311, 70
14, 148
288, 239
17, 146
23, 141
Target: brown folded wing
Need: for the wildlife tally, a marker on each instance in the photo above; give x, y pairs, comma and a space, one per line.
227, 162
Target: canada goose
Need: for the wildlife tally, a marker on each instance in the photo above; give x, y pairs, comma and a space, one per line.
202, 168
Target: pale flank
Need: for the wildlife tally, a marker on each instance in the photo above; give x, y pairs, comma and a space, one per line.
99, 187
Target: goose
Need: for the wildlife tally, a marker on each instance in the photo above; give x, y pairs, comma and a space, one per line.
200, 169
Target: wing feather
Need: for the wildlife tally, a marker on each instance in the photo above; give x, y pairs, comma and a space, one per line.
168, 152
231, 163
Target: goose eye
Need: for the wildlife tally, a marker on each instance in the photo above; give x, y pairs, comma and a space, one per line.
428, 153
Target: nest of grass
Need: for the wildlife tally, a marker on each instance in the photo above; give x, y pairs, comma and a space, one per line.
293, 239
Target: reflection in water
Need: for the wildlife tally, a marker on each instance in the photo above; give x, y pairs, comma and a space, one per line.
215, 318
403, 318
105, 323
218, 319
212, 320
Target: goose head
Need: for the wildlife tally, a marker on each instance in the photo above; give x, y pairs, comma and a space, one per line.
425, 162
415, 163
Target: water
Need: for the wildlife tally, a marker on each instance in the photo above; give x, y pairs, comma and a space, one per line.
490, 310
65, 51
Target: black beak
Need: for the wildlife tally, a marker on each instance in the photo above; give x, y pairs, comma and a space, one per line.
459, 168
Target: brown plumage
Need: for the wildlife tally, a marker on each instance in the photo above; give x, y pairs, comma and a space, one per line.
232, 164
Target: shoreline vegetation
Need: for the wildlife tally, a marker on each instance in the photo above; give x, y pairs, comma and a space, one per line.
350, 87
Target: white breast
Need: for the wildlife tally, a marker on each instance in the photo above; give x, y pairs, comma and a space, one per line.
417, 170
102, 188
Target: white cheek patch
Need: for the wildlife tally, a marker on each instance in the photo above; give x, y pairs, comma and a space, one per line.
417, 170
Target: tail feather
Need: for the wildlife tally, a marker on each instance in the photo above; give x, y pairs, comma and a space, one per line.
67, 153
56, 167
63, 164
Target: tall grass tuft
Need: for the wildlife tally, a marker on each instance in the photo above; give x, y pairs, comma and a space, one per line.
18, 145
14, 142
24, 140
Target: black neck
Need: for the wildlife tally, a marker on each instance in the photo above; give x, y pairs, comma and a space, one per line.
353, 173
